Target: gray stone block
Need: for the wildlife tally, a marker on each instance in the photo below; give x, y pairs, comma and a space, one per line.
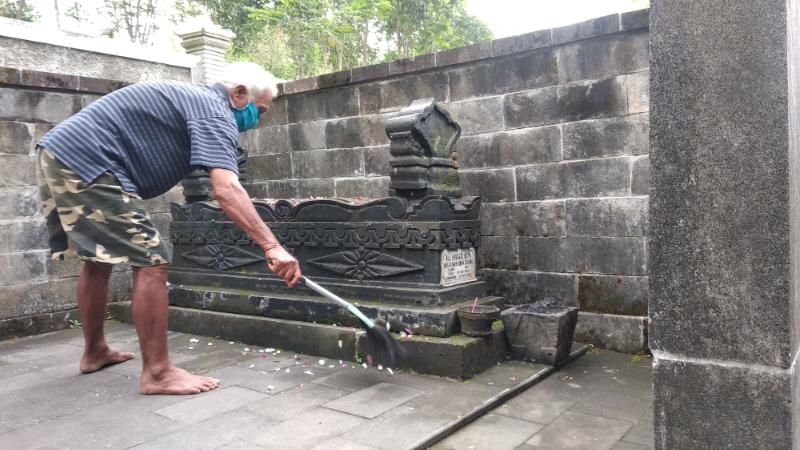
478, 116
23, 235
37, 106
401, 92
314, 188
523, 219
521, 43
376, 161
371, 72
374, 400
603, 57
369, 99
626, 334
295, 432
266, 140
634, 20
703, 405
49, 80
15, 137
613, 294
18, 202
576, 101
276, 115
540, 332
362, 131
526, 146
417, 63
587, 178
327, 104
629, 135
590, 28
339, 78
490, 185
327, 163
622, 256
491, 431
498, 252
474, 52
374, 187
578, 430
640, 176
209, 405
23, 268
723, 253
298, 86
530, 71
619, 217
18, 171
638, 92
307, 136
269, 167
519, 287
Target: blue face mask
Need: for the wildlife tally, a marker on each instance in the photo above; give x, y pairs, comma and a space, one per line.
246, 118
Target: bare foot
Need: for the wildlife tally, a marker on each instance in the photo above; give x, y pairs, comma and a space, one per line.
94, 362
175, 381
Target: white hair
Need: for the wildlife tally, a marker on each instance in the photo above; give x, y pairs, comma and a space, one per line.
250, 75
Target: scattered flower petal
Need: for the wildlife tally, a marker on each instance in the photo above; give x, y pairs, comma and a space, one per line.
364, 365
380, 367
210, 343
230, 342
308, 372
269, 350
194, 340
191, 348
287, 370
251, 366
340, 343
389, 369
270, 387
321, 362
247, 349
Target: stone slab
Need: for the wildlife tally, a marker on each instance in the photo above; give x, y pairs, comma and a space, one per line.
294, 402
210, 404
295, 433
490, 431
627, 334
700, 404
218, 431
439, 321
577, 430
617, 402
374, 400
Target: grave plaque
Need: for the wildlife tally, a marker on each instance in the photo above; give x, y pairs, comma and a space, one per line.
458, 266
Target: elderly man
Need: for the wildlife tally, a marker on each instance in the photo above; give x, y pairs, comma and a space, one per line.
95, 169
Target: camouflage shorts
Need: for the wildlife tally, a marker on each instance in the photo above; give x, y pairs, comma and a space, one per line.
98, 221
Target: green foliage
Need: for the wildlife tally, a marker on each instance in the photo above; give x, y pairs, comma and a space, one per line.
18, 9
136, 18
301, 38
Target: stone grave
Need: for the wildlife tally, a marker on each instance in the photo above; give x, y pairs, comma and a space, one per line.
408, 259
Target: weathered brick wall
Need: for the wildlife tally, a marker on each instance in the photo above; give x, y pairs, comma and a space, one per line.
37, 294
555, 141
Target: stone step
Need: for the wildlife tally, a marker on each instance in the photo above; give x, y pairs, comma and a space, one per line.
426, 321
459, 357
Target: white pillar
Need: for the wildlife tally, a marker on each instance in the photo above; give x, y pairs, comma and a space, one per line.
209, 42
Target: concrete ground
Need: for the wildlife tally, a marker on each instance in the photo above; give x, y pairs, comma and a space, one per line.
283, 400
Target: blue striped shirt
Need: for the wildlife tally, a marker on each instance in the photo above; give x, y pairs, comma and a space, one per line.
149, 135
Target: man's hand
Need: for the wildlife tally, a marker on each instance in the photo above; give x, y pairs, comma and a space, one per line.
283, 265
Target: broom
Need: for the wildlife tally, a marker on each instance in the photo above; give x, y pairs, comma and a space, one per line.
381, 347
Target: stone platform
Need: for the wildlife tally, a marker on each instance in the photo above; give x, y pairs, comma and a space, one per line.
459, 357
601, 400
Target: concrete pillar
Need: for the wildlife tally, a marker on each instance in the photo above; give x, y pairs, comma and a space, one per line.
210, 43
724, 222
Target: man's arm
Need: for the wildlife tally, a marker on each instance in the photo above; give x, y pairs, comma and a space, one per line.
236, 204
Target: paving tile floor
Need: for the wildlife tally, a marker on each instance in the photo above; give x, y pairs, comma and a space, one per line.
290, 401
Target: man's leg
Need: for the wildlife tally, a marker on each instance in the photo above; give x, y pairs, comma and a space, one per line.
150, 312
92, 296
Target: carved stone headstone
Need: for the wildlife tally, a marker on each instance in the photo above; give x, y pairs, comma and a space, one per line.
422, 138
197, 185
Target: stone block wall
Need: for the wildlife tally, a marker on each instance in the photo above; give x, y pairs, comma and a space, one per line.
37, 294
554, 139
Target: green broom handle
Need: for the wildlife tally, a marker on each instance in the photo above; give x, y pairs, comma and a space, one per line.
321, 290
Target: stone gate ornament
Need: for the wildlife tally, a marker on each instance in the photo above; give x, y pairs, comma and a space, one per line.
422, 138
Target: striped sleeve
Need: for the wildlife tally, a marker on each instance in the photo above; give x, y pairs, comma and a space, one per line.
213, 143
